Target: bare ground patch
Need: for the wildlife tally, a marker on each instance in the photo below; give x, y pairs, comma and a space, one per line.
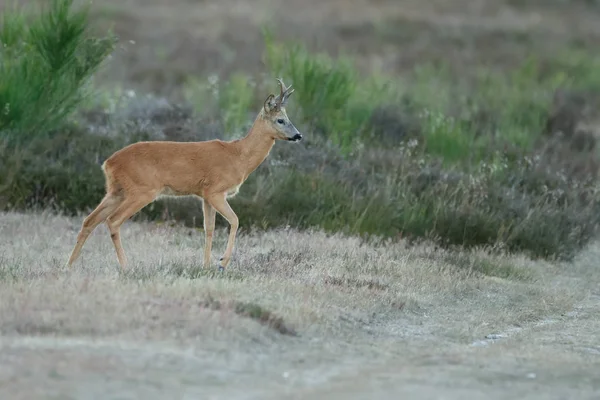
167, 327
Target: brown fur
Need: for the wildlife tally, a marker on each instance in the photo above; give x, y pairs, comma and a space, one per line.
212, 170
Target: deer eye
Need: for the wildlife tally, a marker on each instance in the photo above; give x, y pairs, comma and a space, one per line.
280, 121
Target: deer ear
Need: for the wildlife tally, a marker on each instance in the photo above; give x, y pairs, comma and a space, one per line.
269, 103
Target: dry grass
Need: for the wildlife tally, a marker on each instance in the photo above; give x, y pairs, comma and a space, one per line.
297, 297
311, 280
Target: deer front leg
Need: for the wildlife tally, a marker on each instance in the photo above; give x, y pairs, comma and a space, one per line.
220, 203
209, 228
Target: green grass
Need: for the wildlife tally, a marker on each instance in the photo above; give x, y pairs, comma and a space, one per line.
466, 122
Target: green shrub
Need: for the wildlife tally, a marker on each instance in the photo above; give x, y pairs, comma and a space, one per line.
466, 212
45, 63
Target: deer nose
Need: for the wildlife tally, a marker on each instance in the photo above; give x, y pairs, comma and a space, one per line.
296, 137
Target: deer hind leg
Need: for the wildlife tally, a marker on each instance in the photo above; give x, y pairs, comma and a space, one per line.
220, 203
106, 207
209, 228
130, 206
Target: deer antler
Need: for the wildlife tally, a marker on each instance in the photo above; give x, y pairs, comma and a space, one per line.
284, 93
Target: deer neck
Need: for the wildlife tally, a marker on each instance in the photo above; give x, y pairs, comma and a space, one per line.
255, 146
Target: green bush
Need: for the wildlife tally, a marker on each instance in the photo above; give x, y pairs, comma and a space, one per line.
45, 63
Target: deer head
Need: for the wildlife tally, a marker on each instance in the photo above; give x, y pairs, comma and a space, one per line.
275, 115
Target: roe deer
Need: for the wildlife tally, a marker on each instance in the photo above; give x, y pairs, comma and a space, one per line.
213, 170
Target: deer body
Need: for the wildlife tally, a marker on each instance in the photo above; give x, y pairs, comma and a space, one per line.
187, 168
213, 170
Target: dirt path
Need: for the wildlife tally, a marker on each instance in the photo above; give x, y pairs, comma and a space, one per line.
554, 359
557, 359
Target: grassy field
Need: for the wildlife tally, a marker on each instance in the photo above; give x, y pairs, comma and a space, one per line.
435, 233
298, 314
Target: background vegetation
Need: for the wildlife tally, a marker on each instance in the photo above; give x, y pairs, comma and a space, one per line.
498, 157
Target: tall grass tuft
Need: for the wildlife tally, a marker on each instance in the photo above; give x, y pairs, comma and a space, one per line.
330, 95
46, 61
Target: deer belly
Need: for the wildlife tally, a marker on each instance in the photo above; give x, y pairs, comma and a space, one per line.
233, 191
168, 191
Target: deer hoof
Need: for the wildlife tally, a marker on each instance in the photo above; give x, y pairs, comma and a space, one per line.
221, 268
